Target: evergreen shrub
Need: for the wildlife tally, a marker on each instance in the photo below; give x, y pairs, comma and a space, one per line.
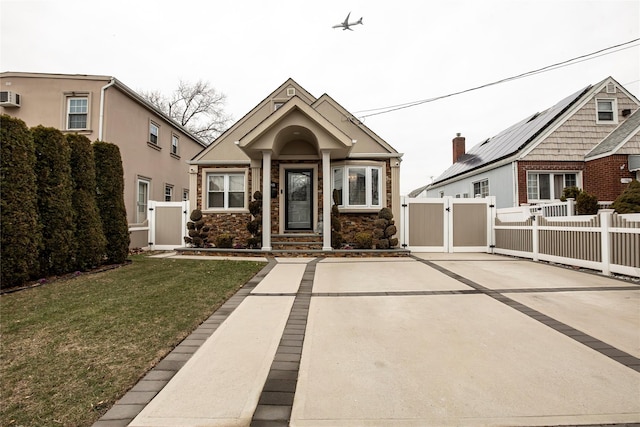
91, 242
629, 200
55, 207
110, 200
20, 232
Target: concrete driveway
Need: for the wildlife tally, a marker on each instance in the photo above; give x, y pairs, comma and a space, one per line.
431, 340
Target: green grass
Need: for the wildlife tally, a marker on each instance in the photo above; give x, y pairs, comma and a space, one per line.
71, 348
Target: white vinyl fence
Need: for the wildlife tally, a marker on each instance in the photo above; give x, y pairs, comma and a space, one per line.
167, 224
607, 242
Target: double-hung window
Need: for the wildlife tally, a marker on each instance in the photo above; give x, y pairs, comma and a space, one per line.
168, 192
174, 145
77, 112
142, 200
607, 111
481, 188
154, 133
545, 186
358, 186
225, 191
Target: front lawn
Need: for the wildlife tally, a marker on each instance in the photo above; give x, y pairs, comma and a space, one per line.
71, 348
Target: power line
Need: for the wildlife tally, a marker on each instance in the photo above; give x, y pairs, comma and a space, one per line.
572, 61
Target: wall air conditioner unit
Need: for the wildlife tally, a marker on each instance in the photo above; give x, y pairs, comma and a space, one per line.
9, 99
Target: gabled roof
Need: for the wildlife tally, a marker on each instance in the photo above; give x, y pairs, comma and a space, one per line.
300, 113
617, 138
510, 140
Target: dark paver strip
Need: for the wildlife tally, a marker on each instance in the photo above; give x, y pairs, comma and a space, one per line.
276, 400
135, 400
608, 350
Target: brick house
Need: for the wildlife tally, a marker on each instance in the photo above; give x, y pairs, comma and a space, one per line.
590, 139
296, 149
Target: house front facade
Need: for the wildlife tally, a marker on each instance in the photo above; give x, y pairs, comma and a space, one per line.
296, 149
533, 161
154, 149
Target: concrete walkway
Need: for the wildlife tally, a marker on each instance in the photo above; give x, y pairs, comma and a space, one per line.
431, 340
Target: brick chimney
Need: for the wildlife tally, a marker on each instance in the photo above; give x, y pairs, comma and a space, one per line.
458, 147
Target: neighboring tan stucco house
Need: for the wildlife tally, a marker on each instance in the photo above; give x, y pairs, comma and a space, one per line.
295, 149
589, 139
154, 149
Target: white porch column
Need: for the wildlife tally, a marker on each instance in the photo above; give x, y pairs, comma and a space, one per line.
326, 200
266, 200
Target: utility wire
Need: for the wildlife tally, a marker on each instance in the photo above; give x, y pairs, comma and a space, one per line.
572, 61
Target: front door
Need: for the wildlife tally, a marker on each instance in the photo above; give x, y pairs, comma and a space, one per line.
299, 199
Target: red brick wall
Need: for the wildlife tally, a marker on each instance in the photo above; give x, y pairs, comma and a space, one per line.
524, 166
602, 176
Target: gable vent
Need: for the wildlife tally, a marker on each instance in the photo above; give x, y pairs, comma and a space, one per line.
291, 91
9, 99
611, 88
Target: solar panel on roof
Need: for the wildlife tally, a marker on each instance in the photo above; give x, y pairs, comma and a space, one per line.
510, 140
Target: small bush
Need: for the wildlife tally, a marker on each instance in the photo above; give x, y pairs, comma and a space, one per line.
364, 240
629, 200
198, 231
336, 226
224, 241
570, 193
586, 204
196, 215
254, 226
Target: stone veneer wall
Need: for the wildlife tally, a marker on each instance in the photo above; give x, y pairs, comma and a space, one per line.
236, 223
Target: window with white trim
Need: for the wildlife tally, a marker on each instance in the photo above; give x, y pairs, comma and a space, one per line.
606, 111
545, 186
154, 133
77, 112
168, 192
225, 190
142, 201
481, 188
358, 186
174, 144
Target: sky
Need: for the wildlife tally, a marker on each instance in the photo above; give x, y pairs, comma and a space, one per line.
406, 50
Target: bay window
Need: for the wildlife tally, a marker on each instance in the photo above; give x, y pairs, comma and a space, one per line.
358, 186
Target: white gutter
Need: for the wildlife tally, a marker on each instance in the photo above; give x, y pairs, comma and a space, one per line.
101, 121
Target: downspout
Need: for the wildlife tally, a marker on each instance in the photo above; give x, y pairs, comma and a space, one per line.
516, 194
101, 120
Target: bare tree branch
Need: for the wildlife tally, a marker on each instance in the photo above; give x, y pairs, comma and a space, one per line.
197, 106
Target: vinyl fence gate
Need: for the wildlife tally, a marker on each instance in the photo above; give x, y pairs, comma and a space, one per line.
167, 224
447, 224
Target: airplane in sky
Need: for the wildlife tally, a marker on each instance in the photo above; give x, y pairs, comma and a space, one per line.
346, 25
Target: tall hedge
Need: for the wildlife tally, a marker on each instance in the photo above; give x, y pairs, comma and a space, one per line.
53, 178
110, 199
91, 248
20, 236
